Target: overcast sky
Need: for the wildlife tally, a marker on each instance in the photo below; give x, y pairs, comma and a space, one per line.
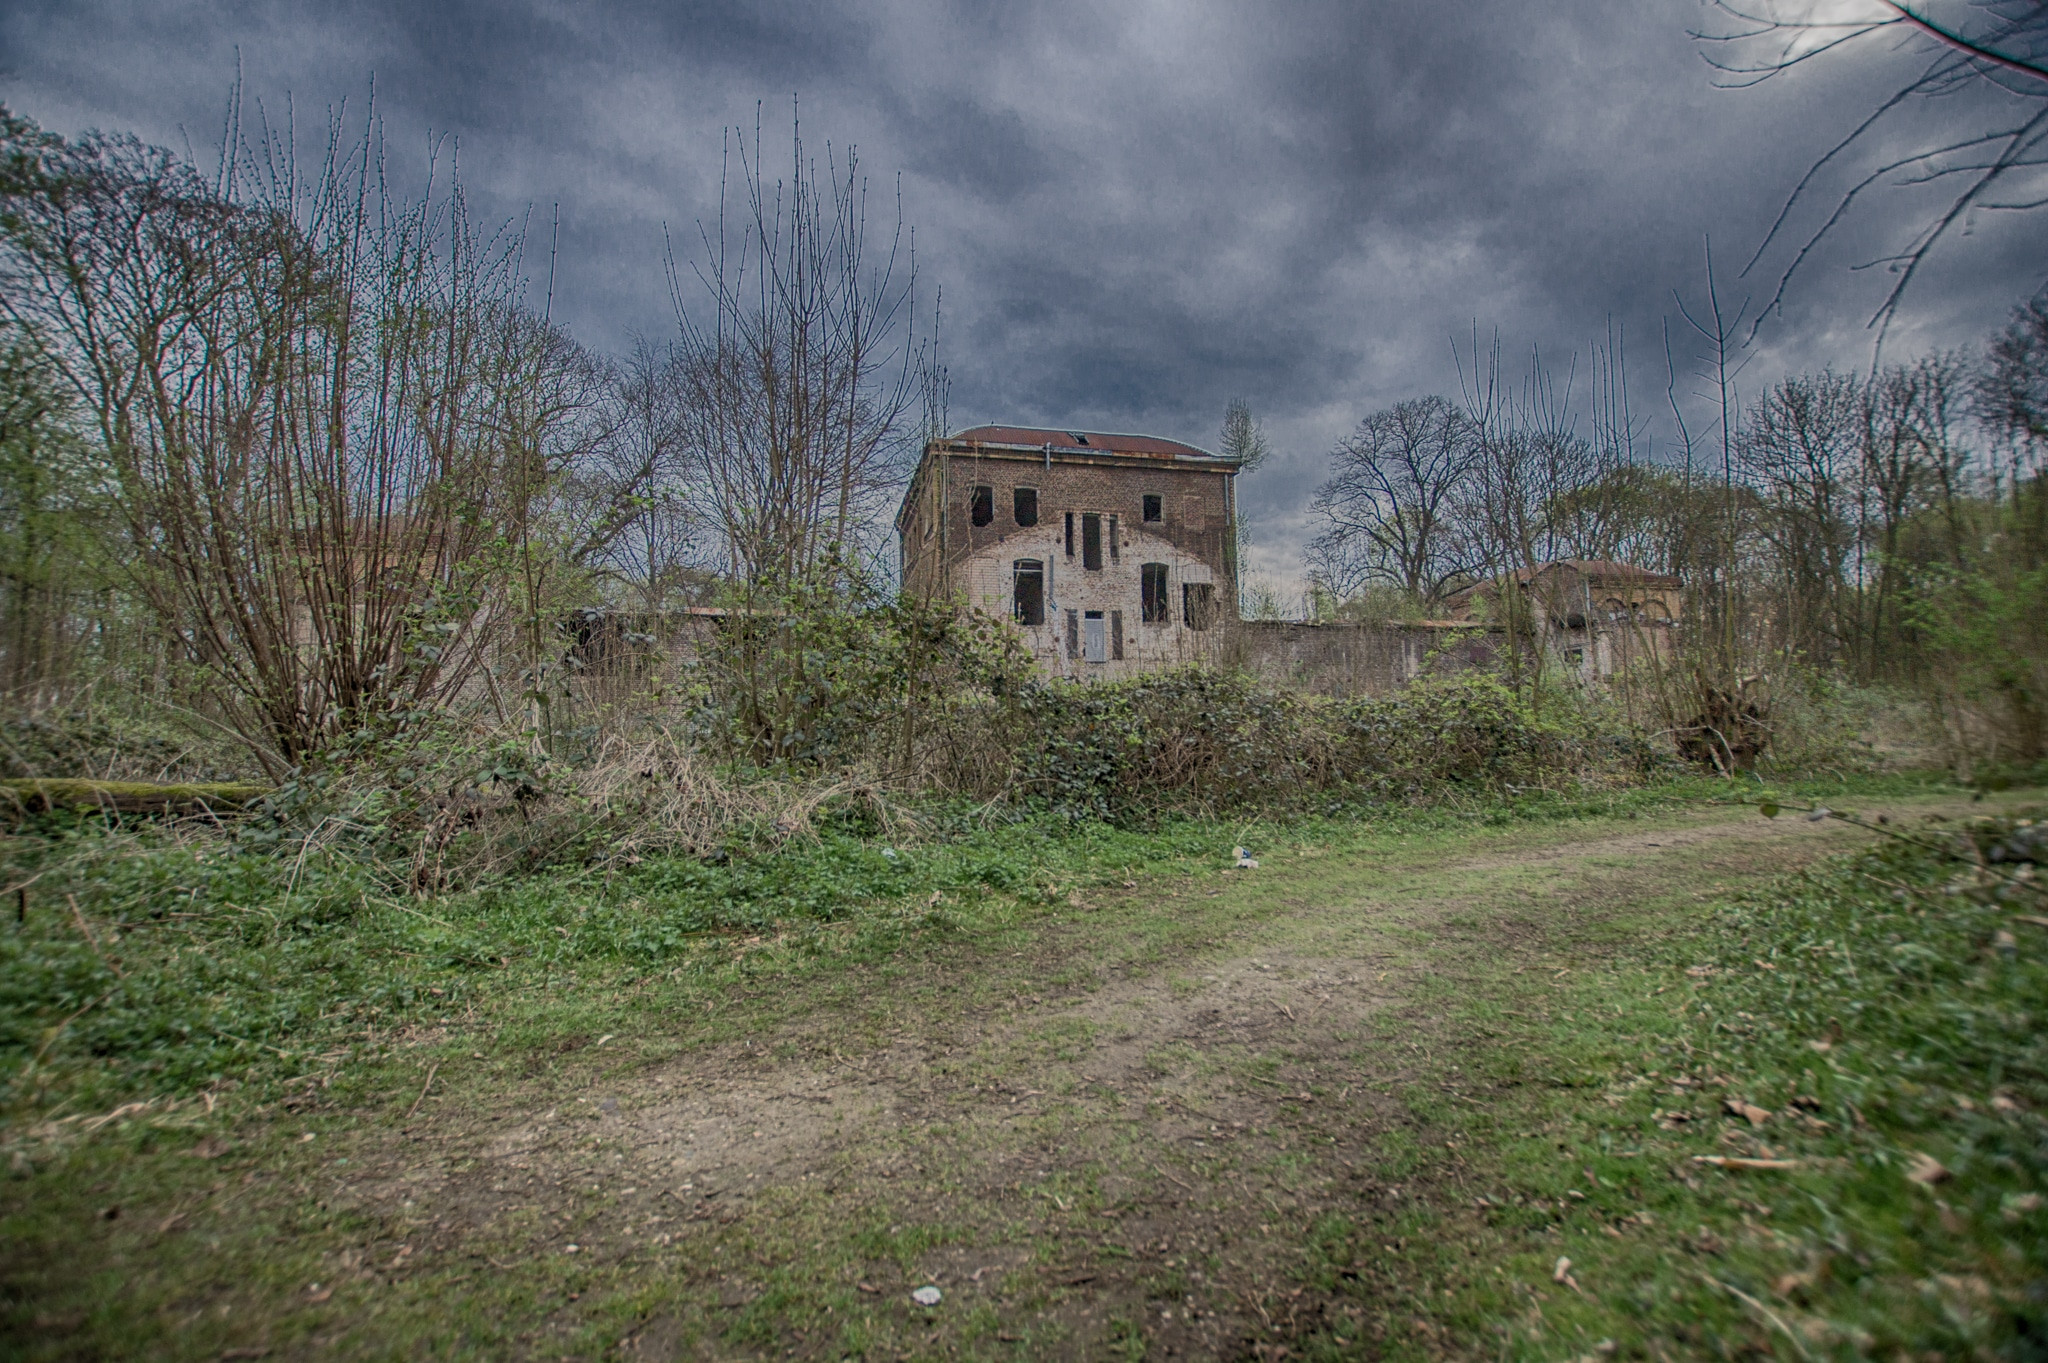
1136, 211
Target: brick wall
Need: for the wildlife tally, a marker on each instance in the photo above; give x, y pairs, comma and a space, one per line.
945, 554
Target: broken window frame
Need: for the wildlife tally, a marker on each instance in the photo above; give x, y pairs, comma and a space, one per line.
1024, 506
981, 504
1070, 534
1027, 610
1114, 556
1155, 606
1116, 636
1091, 541
1154, 508
1198, 604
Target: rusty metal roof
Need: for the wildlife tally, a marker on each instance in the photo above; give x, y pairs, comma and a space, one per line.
1093, 442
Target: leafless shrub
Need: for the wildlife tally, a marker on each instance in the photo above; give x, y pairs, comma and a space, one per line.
327, 409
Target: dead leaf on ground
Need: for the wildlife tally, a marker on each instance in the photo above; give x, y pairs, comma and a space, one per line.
1754, 1115
1926, 1170
1789, 1283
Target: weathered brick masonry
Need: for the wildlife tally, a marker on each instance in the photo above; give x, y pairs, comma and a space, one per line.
1117, 558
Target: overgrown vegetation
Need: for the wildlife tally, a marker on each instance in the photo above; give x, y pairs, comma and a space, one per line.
1813, 1125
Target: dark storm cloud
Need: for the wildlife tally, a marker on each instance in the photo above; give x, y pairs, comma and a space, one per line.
1136, 211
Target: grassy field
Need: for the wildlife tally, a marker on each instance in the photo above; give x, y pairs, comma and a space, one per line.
1106, 1093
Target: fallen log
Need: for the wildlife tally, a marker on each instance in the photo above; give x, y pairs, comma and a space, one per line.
45, 795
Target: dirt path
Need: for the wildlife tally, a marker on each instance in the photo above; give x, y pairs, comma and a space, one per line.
1116, 1142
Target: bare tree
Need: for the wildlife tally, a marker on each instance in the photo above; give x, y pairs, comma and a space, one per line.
2012, 394
1395, 505
1800, 446
1244, 440
802, 368
327, 411
629, 501
1996, 49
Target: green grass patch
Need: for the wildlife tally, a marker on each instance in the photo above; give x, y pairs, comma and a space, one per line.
1813, 1125
149, 964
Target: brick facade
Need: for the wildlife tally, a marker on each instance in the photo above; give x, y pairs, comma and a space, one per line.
1090, 579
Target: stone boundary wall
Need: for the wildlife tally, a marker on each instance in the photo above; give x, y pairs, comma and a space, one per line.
1349, 659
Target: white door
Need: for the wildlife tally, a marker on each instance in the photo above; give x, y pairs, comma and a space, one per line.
1093, 645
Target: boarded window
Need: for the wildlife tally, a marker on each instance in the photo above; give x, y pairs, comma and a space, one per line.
1094, 639
1116, 635
1152, 594
981, 504
1198, 604
1028, 602
1073, 634
1152, 507
1112, 540
1070, 534
1091, 541
1024, 505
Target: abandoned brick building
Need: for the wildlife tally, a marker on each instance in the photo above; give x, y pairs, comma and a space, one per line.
1114, 553
1594, 617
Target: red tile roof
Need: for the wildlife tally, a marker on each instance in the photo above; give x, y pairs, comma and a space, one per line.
1094, 441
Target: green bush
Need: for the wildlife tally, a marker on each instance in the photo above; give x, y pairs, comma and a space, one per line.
1468, 731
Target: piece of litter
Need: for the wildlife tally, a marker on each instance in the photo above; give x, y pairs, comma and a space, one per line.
571, 1249
1245, 860
1562, 1271
1736, 1162
927, 1295
606, 1037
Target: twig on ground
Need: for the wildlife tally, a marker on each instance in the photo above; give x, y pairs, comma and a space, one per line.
58, 1030
1766, 1312
432, 1070
78, 916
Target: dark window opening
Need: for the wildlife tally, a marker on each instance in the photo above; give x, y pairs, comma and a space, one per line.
1024, 505
981, 504
1575, 658
1091, 541
1028, 603
1079, 439
1070, 534
1112, 541
1152, 508
1152, 593
1198, 604
1094, 647
1073, 633
1116, 635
